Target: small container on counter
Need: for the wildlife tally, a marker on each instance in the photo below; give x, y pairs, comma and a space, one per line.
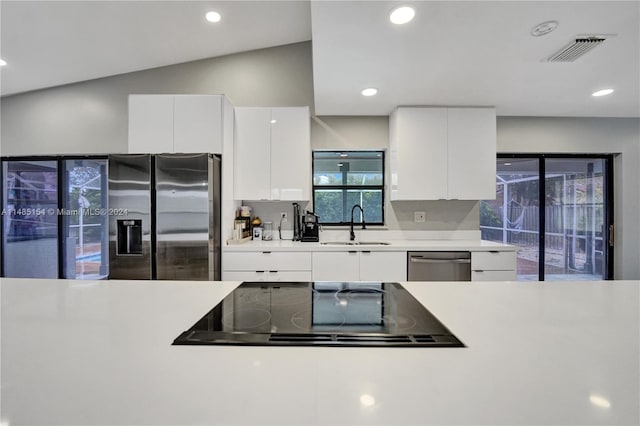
267, 231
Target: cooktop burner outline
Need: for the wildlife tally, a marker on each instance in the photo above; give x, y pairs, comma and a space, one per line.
320, 313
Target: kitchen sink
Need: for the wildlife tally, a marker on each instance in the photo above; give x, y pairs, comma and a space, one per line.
355, 243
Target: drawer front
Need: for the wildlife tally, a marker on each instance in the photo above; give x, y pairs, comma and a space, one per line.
290, 276
493, 275
493, 260
267, 261
244, 276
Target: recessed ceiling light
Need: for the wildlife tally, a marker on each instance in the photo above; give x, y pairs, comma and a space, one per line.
602, 92
370, 91
3, 62
367, 400
544, 28
213, 16
599, 401
273, 121
402, 15
344, 155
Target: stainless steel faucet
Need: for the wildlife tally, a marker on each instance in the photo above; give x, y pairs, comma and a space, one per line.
352, 235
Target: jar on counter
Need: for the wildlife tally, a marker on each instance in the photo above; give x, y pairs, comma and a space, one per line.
267, 231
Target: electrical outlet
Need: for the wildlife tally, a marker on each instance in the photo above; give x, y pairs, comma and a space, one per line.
419, 216
283, 216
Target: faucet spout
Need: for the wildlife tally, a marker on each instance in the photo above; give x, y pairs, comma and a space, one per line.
352, 235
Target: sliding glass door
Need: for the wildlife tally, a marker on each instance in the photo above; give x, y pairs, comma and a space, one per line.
54, 218
575, 243
573, 204
29, 219
85, 222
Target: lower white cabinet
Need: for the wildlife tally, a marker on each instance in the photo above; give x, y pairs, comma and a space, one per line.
359, 266
493, 266
267, 266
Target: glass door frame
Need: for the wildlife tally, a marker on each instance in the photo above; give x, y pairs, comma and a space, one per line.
60, 162
608, 208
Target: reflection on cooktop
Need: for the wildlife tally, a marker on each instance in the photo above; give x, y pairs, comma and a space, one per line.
319, 314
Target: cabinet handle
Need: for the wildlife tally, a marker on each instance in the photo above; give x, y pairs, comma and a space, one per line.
478, 270
352, 251
424, 260
266, 252
494, 251
273, 272
366, 251
259, 272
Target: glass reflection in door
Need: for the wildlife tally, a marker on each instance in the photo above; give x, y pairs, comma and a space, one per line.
85, 222
513, 217
29, 219
575, 234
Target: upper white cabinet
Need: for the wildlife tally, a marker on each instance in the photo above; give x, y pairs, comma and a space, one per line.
272, 154
443, 153
176, 123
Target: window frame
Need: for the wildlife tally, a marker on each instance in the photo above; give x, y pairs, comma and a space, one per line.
345, 188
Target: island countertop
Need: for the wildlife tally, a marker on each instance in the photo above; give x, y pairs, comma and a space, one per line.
100, 353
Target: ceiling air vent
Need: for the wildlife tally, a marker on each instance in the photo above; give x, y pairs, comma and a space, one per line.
576, 49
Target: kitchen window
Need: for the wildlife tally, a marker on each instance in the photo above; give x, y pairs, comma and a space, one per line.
342, 179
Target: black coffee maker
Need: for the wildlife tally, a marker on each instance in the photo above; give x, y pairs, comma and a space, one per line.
310, 228
305, 226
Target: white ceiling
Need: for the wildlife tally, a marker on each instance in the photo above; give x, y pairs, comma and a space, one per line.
475, 53
49, 43
453, 53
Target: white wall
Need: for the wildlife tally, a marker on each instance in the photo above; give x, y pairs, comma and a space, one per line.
591, 135
91, 117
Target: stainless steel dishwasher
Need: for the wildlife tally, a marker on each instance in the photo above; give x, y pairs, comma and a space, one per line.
439, 266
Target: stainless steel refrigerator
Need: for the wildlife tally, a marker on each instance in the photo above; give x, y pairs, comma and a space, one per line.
164, 216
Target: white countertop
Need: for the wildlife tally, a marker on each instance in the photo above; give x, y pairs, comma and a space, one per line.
99, 353
394, 245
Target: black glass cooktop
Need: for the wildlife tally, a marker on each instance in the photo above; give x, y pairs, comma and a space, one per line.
319, 314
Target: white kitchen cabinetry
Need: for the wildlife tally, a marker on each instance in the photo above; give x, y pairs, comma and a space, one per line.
493, 266
267, 266
443, 153
359, 266
177, 123
383, 266
272, 154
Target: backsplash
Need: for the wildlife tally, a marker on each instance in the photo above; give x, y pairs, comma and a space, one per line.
399, 216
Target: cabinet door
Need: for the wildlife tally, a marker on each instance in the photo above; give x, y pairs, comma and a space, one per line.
336, 266
383, 266
198, 124
419, 154
150, 124
252, 154
472, 153
290, 154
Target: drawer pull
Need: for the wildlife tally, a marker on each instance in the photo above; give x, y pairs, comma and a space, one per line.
273, 272
494, 251
352, 251
266, 252
478, 270
426, 260
259, 272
